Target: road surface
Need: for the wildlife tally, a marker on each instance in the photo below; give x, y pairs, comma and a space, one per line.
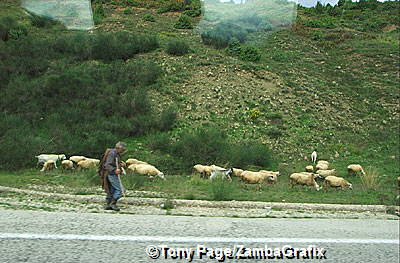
34, 236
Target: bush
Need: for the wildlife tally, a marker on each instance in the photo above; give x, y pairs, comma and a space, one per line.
10, 29
149, 17
168, 118
222, 33
159, 141
177, 47
128, 11
98, 14
220, 190
370, 179
184, 22
250, 53
209, 145
41, 21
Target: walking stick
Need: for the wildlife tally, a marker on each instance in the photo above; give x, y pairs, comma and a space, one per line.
119, 177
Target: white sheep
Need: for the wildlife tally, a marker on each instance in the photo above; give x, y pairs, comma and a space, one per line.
48, 165
355, 169
218, 173
147, 169
334, 181
134, 161
309, 168
303, 178
314, 157
322, 165
205, 170
67, 164
257, 177
237, 172
77, 159
325, 173
42, 158
88, 163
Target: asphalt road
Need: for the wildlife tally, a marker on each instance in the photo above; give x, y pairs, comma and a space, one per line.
33, 236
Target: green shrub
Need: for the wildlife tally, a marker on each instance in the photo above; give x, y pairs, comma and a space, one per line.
250, 53
234, 46
98, 14
159, 141
249, 153
149, 17
41, 21
274, 132
222, 33
184, 22
177, 47
220, 190
209, 145
168, 118
128, 11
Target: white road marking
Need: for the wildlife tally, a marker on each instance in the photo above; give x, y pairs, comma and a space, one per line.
178, 239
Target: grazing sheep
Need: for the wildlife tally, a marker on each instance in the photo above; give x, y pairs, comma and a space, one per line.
325, 173
334, 181
237, 172
314, 157
48, 165
88, 163
134, 161
225, 174
303, 178
67, 165
322, 165
355, 169
257, 177
77, 159
123, 164
309, 168
42, 158
147, 169
205, 170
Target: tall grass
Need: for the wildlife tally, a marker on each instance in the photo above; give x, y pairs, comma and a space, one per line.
370, 180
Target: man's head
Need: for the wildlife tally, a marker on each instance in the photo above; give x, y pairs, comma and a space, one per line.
120, 147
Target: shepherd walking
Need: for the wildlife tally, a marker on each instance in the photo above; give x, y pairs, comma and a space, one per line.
109, 171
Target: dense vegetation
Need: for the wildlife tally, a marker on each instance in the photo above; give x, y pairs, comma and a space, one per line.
272, 92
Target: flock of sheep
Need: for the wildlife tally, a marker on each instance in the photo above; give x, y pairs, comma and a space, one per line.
308, 177
49, 162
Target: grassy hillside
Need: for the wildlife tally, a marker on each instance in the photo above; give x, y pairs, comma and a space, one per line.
329, 82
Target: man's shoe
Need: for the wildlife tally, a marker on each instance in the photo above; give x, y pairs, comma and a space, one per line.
108, 205
114, 206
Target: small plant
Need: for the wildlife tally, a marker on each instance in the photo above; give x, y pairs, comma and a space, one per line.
177, 47
149, 18
274, 132
184, 22
221, 190
254, 113
128, 11
370, 179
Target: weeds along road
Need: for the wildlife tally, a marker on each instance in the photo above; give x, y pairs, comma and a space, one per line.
33, 236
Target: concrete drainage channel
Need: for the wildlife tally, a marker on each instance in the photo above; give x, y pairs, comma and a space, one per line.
229, 208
